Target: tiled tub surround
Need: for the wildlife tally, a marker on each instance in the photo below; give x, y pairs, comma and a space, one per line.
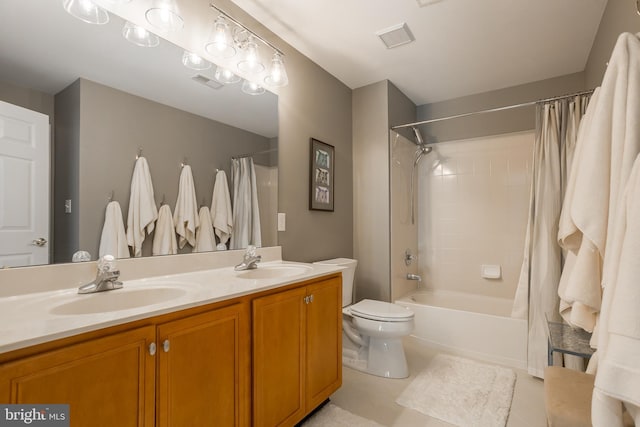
29, 296
473, 197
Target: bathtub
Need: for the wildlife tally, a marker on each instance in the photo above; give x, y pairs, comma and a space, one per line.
470, 325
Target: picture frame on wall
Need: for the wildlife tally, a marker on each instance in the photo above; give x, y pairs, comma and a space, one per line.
321, 179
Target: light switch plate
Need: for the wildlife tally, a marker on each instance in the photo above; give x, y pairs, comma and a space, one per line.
282, 221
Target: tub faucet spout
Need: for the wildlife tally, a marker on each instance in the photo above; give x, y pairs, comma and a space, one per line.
414, 277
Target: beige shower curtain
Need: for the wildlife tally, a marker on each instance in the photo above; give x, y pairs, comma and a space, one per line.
537, 292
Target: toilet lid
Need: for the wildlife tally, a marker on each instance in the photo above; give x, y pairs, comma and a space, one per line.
380, 310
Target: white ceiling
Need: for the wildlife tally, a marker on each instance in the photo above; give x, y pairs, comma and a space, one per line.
462, 47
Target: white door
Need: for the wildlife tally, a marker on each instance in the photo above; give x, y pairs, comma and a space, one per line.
24, 186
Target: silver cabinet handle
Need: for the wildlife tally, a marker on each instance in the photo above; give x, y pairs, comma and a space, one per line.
166, 346
152, 348
39, 242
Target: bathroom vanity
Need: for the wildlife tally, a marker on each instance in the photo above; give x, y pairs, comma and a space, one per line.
223, 350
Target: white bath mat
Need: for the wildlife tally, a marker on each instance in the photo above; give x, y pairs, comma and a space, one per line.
462, 392
333, 416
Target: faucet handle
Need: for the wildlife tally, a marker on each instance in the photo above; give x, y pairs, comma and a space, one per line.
250, 251
106, 263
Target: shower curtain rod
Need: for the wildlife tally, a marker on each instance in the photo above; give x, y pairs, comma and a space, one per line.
493, 110
242, 156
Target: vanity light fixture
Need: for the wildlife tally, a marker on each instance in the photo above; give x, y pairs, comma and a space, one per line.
194, 61
277, 73
87, 11
139, 36
225, 76
221, 44
251, 63
252, 88
164, 15
248, 44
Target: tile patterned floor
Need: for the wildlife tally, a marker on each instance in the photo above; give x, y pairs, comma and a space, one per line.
374, 398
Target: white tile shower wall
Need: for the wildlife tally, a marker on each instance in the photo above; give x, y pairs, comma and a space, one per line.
473, 203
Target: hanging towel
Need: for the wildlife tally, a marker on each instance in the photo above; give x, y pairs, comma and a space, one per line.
617, 329
618, 374
142, 207
246, 213
221, 214
164, 240
205, 239
185, 216
113, 240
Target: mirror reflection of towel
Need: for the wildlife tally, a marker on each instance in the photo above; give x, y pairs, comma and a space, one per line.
205, 239
185, 216
164, 240
142, 207
113, 240
221, 216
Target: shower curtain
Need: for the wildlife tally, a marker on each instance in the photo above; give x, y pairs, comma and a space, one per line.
246, 212
537, 292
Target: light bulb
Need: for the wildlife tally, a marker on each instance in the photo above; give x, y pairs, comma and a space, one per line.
251, 63
87, 11
225, 76
195, 62
252, 88
221, 44
277, 73
139, 36
164, 15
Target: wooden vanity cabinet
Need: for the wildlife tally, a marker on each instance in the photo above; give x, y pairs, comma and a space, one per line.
204, 369
297, 350
106, 381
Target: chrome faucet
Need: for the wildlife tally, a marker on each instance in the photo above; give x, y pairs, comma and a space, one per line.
250, 259
106, 278
414, 277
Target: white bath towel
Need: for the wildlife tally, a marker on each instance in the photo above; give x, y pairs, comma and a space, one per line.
221, 214
113, 240
185, 216
164, 240
205, 239
142, 207
579, 288
618, 374
607, 149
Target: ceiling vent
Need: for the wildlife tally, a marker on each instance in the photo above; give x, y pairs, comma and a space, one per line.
207, 81
396, 36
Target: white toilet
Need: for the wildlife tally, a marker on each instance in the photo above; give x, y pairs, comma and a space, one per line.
372, 331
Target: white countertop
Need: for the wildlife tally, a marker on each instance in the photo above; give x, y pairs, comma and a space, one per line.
39, 317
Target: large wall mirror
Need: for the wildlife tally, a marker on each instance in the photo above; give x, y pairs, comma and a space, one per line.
109, 101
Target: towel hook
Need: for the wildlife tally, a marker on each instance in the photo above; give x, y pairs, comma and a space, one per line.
638, 7
184, 162
111, 196
139, 153
163, 202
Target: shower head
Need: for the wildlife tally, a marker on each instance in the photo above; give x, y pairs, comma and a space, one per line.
416, 132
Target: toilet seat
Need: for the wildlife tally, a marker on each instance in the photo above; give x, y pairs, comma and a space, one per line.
381, 311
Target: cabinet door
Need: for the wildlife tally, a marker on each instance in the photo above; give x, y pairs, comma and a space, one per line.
324, 341
106, 381
278, 358
204, 369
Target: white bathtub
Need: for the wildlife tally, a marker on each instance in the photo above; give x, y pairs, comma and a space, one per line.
470, 325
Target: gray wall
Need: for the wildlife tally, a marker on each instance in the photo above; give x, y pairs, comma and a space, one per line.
619, 16
112, 125
314, 105
514, 120
375, 108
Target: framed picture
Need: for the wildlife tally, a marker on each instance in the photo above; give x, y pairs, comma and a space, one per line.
321, 182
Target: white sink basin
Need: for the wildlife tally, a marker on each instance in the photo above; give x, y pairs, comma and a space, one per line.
273, 272
118, 299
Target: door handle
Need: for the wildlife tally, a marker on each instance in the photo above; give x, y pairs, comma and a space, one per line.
39, 242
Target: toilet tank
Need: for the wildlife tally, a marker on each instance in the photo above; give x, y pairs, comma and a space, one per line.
348, 275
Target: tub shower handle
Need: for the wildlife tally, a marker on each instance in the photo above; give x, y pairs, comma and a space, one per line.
414, 277
408, 257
